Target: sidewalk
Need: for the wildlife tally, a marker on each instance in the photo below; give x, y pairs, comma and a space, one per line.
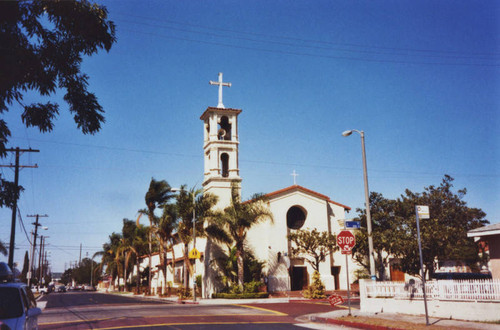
379, 321
357, 319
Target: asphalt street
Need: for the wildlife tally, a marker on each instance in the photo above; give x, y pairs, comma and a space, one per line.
90, 310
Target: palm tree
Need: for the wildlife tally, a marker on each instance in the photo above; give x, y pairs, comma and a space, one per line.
164, 230
158, 194
108, 253
202, 204
232, 225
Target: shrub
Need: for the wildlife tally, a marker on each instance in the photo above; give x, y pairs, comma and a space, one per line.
241, 295
316, 290
184, 293
252, 286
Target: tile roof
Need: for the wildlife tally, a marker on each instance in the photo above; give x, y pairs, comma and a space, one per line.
223, 110
308, 191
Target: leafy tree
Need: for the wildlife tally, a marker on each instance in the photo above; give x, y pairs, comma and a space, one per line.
387, 241
43, 45
315, 246
82, 273
232, 225
67, 276
444, 235
158, 194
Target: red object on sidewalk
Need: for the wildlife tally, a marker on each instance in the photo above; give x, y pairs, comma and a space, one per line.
335, 299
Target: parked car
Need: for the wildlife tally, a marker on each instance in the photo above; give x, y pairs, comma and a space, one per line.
60, 288
88, 288
46, 289
18, 309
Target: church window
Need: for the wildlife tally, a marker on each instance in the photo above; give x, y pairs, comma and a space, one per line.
295, 217
224, 132
224, 159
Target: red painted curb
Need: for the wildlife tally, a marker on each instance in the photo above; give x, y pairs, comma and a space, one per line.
353, 324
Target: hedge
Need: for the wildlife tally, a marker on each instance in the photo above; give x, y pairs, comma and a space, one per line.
241, 295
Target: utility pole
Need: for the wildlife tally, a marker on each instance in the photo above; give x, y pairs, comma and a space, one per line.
14, 206
80, 260
40, 259
32, 262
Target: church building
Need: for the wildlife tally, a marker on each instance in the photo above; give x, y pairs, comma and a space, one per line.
293, 208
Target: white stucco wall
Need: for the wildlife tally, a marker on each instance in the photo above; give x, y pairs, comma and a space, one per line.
268, 239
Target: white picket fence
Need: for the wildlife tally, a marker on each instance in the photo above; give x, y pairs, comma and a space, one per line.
457, 290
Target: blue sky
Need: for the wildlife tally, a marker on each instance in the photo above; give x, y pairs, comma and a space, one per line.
420, 78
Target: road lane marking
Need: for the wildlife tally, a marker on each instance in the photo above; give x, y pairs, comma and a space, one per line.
272, 313
81, 321
263, 309
183, 323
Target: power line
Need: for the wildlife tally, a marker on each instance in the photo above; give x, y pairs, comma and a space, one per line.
336, 57
243, 160
302, 40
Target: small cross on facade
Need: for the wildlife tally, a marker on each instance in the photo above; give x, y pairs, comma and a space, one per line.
220, 84
295, 175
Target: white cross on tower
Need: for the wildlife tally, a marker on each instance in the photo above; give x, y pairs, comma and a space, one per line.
220, 83
295, 175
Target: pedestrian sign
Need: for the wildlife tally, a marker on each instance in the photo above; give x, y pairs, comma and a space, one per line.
423, 212
194, 254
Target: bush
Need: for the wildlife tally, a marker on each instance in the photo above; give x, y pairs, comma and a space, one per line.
253, 286
184, 293
316, 290
241, 295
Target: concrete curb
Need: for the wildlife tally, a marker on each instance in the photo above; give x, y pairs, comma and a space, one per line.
318, 319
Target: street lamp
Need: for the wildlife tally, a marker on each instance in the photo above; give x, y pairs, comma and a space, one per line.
367, 203
194, 239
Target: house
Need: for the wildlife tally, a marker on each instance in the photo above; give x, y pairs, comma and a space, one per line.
491, 235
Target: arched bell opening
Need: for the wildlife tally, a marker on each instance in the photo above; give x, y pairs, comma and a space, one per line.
224, 160
224, 131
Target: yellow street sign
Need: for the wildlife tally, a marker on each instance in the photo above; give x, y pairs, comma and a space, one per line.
194, 254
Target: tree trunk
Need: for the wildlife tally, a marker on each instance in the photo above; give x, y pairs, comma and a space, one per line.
138, 278
162, 263
150, 251
125, 280
241, 274
186, 267
173, 261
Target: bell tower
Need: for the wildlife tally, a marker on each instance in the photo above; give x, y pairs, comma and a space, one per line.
220, 148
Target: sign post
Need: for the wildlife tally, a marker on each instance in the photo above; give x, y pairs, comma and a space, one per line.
346, 241
422, 212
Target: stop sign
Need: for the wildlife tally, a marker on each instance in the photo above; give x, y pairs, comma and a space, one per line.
346, 241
